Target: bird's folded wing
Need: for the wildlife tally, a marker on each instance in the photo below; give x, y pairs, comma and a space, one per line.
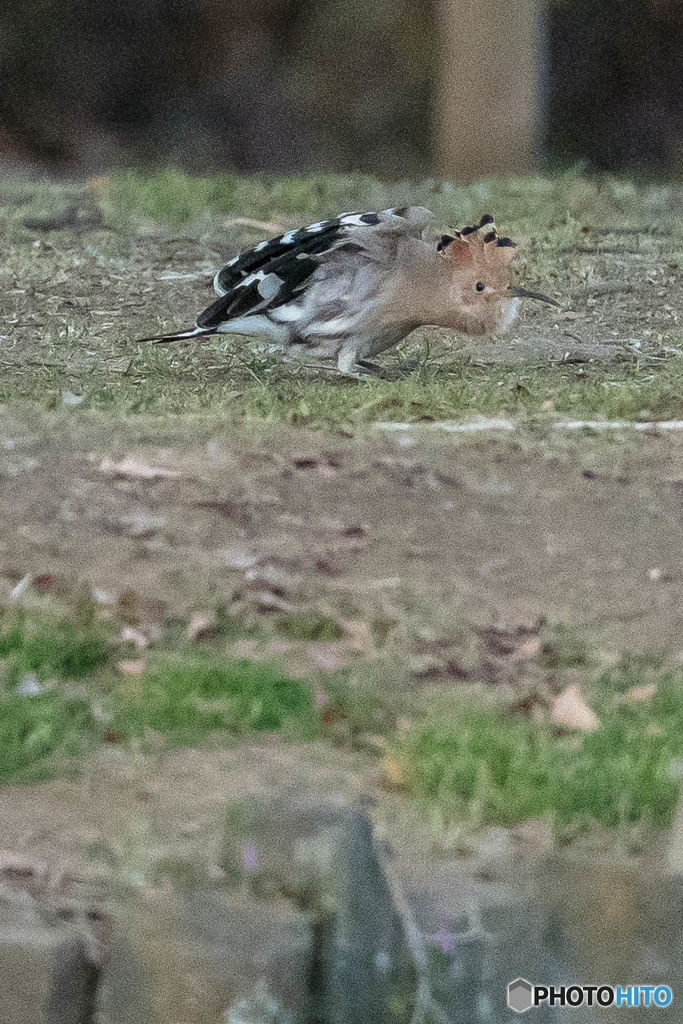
275, 272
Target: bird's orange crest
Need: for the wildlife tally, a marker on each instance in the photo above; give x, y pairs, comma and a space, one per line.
478, 245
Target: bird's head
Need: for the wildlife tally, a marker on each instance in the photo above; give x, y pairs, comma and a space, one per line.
482, 297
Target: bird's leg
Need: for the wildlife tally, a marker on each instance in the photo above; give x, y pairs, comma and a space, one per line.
348, 365
347, 360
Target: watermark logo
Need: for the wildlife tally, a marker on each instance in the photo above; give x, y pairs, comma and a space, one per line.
522, 995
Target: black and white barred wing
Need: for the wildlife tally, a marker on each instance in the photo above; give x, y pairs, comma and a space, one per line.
266, 287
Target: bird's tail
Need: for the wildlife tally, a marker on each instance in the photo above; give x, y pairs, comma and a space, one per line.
166, 339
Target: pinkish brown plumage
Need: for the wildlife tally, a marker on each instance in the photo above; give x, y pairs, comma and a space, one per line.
351, 287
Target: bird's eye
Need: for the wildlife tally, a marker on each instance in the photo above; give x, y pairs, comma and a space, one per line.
479, 286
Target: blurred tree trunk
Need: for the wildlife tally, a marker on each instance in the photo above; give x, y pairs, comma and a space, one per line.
488, 98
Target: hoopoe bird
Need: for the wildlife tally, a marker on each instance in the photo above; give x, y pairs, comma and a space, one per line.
351, 287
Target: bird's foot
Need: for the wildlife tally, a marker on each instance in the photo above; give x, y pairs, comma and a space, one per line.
370, 369
391, 372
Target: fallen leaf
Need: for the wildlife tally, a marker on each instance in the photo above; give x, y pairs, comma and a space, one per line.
130, 635
641, 692
29, 686
374, 741
528, 649
200, 625
121, 365
270, 577
237, 557
267, 602
570, 709
175, 275
393, 776
142, 525
43, 583
132, 668
128, 605
99, 185
327, 566
136, 469
360, 635
23, 869
355, 530
278, 647
245, 649
68, 398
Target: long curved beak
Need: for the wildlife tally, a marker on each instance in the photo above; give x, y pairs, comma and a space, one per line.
522, 293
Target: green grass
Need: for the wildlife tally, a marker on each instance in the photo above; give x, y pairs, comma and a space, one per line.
629, 391
464, 390
184, 697
61, 694
68, 649
43, 716
309, 625
178, 199
37, 733
564, 202
492, 766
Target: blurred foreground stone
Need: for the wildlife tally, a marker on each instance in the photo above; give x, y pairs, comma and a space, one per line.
48, 965
323, 858
310, 916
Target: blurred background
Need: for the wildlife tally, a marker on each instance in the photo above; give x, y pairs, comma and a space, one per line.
407, 88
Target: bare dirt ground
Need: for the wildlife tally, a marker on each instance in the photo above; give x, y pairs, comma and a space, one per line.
439, 556
438, 528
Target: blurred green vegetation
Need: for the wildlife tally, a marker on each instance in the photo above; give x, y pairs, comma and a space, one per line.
563, 202
175, 198
478, 767
63, 690
187, 695
470, 761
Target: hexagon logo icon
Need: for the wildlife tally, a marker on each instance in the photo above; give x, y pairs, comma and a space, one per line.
520, 995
